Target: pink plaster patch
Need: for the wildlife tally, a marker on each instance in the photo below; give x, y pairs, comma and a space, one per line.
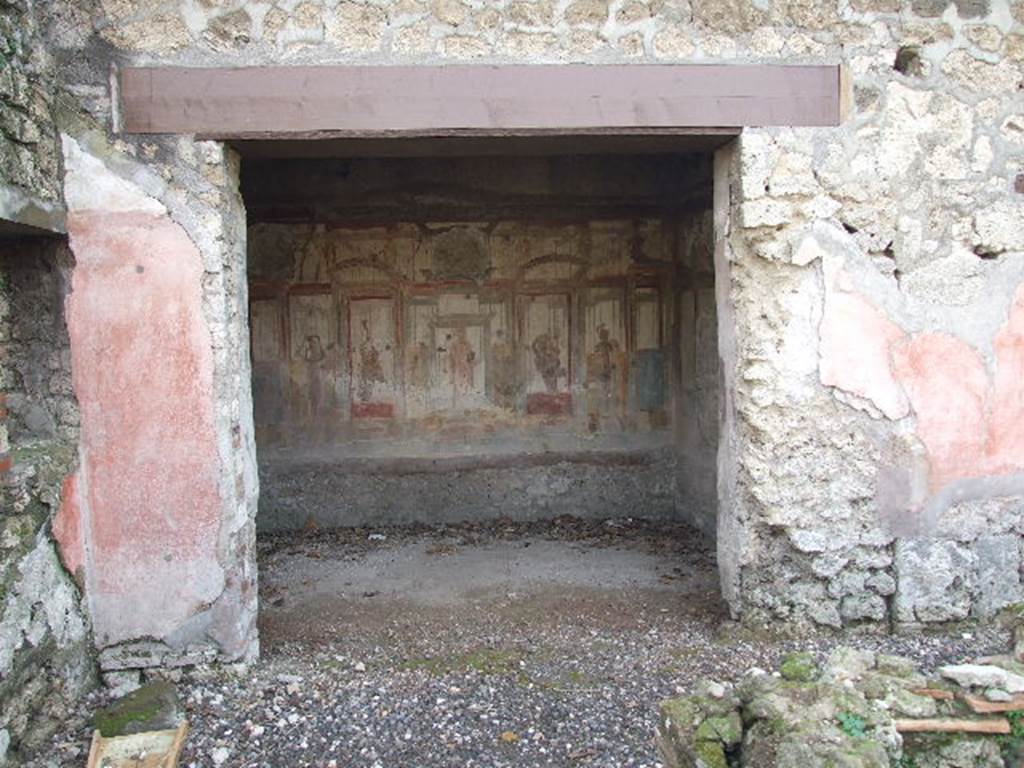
946, 382
969, 423
1006, 431
143, 374
971, 426
67, 530
855, 341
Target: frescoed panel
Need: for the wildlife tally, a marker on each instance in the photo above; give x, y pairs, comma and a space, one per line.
461, 363
606, 374
373, 256
420, 357
266, 331
552, 268
611, 248
372, 357
312, 322
546, 340
447, 354
458, 253
648, 318
502, 358
453, 330
654, 243
649, 373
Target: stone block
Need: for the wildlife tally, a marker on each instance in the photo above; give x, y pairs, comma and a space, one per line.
935, 580
862, 607
153, 707
998, 573
697, 730
929, 8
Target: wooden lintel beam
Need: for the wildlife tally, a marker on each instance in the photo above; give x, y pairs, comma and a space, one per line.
318, 102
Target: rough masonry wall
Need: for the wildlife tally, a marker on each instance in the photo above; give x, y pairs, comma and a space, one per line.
45, 652
867, 315
876, 279
29, 150
45, 658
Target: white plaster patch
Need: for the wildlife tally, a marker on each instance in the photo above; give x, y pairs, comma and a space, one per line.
765, 213
1000, 226
90, 186
956, 280
808, 251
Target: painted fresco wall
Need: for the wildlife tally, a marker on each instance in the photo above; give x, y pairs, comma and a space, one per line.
447, 339
453, 331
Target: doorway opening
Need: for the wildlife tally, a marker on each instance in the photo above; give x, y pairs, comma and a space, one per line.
459, 359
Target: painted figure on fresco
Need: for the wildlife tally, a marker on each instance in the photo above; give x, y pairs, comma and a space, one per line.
312, 349
503, 366
419, 365
314, 398
462, 364
606, 377
547, 358
371, 369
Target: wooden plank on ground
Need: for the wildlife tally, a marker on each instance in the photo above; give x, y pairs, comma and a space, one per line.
321, 102
152, 749
984, 707
998, 725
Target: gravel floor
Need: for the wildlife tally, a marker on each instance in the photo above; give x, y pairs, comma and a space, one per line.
506, 644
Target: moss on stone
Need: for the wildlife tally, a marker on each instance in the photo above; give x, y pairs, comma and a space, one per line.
681, 711
895, 666
151, 707
727, 729
799, 667
711, 754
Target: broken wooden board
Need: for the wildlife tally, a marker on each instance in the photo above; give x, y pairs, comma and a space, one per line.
998, 725
985, 707
151, 749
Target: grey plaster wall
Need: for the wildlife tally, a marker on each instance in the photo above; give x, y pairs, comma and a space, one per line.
519, 487
697, 407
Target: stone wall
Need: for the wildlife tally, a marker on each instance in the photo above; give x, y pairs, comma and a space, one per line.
876, 282
45, 649
45, 658
29, 150
867, 275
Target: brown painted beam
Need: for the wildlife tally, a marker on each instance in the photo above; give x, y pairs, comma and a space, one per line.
365, 102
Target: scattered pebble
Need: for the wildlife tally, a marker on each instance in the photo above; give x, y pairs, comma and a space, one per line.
546, 678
